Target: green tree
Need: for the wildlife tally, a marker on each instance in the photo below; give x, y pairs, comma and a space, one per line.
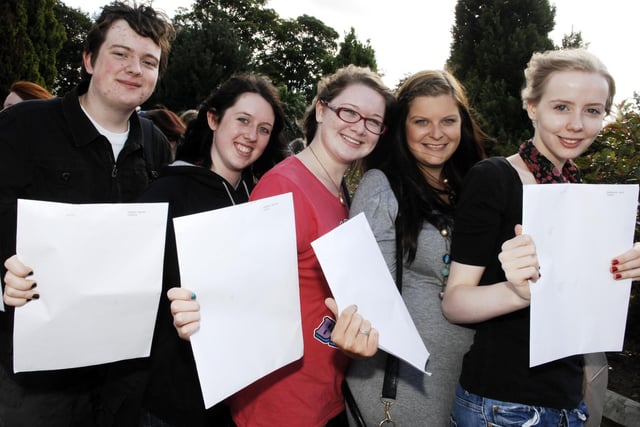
18, 59
32, 37
492, 42
207, 50
614, 157
47, 36
352, 51
69, 59
301, 51
573, 40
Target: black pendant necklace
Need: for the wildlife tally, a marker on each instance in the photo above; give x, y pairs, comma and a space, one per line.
446, 258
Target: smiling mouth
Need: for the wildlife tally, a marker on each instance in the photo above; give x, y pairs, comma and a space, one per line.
130, 84
243, 149
351, 140
572, 142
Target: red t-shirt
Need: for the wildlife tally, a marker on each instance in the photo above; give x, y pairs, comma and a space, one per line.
307, 392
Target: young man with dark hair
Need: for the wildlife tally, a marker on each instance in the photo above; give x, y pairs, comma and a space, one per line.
87, 147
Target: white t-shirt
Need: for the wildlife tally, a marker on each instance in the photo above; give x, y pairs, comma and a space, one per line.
117, 140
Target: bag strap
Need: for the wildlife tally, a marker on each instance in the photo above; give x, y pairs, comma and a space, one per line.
392, 367
147, 142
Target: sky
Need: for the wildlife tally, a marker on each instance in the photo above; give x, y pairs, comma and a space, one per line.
409, 36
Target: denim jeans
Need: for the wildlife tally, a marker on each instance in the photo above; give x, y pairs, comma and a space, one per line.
470, 410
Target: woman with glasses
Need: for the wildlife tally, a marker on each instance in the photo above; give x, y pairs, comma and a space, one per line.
342, 125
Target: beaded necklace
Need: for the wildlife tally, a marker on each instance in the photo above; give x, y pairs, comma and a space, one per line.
446, 257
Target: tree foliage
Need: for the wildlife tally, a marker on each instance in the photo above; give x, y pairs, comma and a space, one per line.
47, 35
17, 54
207, 51
69, 59
352, 51
614, 157
32, 37
573, 40
216, 39
492, 42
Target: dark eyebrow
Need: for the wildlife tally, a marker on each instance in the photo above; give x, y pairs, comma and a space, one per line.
357, 108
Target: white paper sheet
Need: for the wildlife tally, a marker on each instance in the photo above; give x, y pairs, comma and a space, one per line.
357, 274
242, 264
576, 306
99, 273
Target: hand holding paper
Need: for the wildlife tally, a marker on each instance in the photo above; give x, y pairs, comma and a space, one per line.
241, 261
577, 307
365, 280
352, 333
99, 274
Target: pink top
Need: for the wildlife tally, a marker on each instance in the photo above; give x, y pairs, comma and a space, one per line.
307, 392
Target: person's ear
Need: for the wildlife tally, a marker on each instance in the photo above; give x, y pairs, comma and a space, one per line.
531, 111
212, 119
86, 62
319, 111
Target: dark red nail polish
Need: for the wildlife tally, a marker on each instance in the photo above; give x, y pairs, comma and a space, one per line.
618, 276
614, 269
615, 262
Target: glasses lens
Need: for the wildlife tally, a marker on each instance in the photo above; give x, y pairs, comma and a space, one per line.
374, 126
348, 115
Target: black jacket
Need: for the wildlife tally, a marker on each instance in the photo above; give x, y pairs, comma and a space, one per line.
50, 150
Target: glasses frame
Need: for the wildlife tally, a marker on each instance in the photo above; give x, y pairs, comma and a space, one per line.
338, 110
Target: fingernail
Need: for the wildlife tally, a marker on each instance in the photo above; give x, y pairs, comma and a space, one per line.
35, 296
193, 295
618, 276
614, 269
34, 286
615, 262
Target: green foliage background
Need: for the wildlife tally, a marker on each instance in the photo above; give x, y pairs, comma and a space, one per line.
492, 42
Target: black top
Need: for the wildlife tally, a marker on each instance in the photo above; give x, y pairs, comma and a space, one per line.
173, 393
497, 365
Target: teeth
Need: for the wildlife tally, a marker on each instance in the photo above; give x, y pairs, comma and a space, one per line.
354, 141
243, 149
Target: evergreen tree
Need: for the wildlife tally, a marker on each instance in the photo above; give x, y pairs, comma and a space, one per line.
18, 59
32, 37
492, 42
47, 36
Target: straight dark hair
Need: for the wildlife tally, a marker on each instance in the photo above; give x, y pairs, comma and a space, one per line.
198, 137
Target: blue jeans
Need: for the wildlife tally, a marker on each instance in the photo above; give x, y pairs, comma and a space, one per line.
471, 410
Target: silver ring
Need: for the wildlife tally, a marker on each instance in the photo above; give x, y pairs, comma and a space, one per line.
364, 332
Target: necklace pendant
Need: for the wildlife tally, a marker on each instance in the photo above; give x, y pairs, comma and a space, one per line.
341, 199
